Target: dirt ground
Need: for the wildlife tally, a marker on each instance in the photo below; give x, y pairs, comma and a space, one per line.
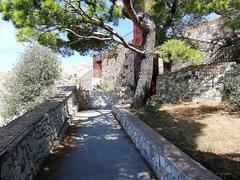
207, 131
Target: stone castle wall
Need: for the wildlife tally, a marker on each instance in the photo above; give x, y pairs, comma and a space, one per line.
86, 80
114, 70
192, 84
206, 31
137, 36
97, 67
205, 35
118, 68
28, 140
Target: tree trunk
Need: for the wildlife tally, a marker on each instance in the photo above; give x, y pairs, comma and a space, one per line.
167, 67
146, 71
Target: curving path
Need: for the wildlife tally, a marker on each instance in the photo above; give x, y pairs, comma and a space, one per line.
96, 148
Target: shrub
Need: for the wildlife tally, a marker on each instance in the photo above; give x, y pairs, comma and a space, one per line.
176, 50
231, 87
35, 71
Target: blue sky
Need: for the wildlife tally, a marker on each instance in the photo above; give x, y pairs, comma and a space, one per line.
10, 48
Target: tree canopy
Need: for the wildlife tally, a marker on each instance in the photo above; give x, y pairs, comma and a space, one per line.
230, 48
232, 21
86, 25
233, 15
65, 25
172, 16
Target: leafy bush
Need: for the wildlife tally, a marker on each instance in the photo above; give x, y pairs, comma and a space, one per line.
231, 87
229, 51
177, 50
35, 71
233, 20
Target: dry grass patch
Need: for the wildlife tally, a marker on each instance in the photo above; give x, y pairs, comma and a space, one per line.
206, 131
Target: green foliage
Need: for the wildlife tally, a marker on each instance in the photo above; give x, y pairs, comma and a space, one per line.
231, 90
49, 21
177, 50
230, 49
36, 70
171, 17
233, 19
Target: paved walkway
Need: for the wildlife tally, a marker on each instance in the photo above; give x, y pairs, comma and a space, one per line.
98, 149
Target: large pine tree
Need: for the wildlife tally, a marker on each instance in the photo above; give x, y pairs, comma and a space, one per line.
87, 25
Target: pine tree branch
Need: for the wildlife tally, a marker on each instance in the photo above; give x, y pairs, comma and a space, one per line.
173, 10
112, 35
128, 5
104, 37
90, 37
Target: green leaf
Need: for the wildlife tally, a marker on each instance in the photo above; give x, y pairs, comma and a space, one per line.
178, 50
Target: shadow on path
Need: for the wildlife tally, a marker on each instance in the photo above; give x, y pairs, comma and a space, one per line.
95, 147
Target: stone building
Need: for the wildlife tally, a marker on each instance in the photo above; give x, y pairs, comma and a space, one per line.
120, 69
97, 66
205, 35
137, 36
93, 77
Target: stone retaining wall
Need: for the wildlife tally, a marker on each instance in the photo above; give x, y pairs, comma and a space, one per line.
96, 99
102, 99
192, 84
168, 162
28, 140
